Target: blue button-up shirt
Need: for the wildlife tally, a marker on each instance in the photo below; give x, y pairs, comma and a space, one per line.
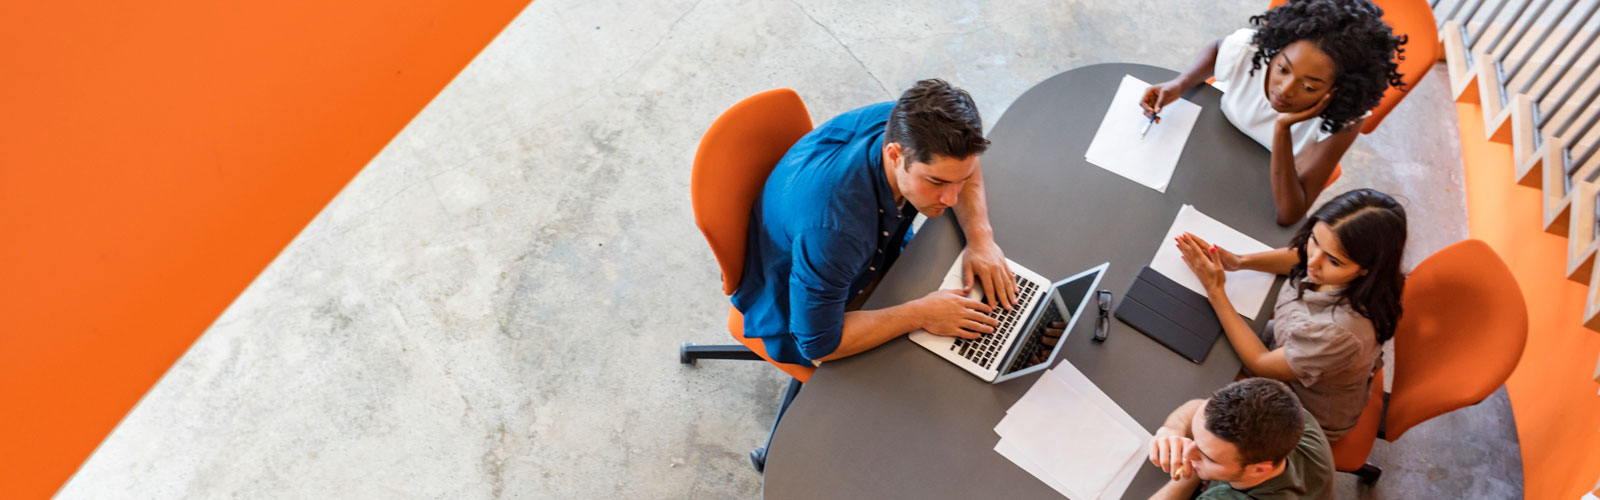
825, 225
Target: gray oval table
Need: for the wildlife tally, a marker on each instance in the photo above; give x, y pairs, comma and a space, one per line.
899, 422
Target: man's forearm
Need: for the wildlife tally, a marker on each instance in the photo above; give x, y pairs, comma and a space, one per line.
972, 209
865, 330
1180, 489
1179, 420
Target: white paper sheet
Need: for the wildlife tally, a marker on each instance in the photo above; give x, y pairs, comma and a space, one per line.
1119, 486
1072, 437
1012, 450
1148, 160
1246, 289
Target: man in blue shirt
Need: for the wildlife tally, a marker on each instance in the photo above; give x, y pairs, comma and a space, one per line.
836, 211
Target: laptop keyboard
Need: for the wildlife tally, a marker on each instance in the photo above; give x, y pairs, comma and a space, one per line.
1034, 346
985, 350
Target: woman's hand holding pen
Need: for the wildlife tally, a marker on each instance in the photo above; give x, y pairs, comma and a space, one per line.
1159, 96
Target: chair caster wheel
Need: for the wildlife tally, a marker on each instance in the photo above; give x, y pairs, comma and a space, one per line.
758, 458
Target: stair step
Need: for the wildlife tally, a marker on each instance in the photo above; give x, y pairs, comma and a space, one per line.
1523, 131
1581, 227
1463, 78
1591, 309
1496, 115
1530, 172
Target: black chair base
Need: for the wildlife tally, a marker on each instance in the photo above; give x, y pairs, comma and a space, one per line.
689, 353
1368, 474
759, 456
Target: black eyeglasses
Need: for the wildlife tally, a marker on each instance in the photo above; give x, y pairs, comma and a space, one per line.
1103, 324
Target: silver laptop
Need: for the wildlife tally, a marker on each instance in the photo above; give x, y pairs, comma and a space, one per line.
1009, 351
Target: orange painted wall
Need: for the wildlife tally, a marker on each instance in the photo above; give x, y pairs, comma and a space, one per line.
1553, 394
154, 157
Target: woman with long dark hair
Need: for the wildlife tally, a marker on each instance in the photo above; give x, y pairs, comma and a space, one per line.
1300, 81
1339, 305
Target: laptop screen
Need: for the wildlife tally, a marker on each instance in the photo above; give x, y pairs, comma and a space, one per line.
1064, 301
1070, 292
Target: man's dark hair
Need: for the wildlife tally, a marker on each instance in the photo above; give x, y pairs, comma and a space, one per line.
1353, 34
934, 118
1259, 416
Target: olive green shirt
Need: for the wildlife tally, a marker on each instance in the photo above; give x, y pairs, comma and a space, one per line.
1308, 474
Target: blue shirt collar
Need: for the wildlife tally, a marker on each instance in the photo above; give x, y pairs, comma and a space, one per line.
880, 178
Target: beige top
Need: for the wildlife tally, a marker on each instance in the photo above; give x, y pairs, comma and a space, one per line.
1332, 350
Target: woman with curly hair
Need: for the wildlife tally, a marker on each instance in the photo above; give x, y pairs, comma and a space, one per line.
1301, 82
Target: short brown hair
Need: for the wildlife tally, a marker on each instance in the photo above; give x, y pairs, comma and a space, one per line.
934, 118
1259, 416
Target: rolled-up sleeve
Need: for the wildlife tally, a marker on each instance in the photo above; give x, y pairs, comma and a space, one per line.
825, 262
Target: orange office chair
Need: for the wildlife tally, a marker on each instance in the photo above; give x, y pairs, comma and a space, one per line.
1461, 335
730, 168
1414, 20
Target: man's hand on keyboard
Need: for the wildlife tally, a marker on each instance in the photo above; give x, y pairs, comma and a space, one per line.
985, 265
952, 314
1052, 334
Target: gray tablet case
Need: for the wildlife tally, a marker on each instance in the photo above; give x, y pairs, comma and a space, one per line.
1171, 314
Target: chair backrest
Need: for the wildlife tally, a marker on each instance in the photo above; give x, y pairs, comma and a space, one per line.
1413, 19
735, 156
1461, 334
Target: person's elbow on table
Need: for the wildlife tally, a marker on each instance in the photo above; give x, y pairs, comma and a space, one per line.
818, 346
1288, 214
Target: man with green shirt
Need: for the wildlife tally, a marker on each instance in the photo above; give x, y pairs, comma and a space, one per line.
1251, 439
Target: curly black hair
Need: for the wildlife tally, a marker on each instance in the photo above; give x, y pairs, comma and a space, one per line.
1353, 34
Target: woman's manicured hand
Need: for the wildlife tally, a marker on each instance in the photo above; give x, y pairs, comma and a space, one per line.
1205, 260
1230, 261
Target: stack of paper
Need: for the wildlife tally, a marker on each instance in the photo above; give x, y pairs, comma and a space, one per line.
1247, 290
1123, 146
1073, 437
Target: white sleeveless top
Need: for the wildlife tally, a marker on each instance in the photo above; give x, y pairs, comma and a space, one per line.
1244, 96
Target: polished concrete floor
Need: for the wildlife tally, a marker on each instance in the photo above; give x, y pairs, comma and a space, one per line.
491, 309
